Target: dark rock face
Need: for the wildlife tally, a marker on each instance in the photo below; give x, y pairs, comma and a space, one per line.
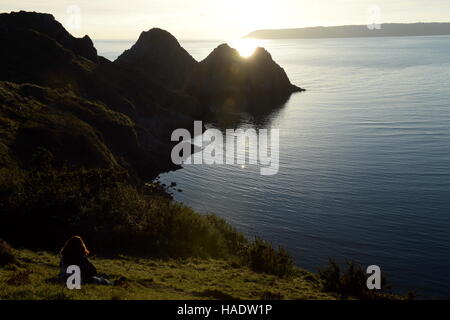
57, 94
160, 57
227, 77
41, 63
223, 76
226, 71
46, 24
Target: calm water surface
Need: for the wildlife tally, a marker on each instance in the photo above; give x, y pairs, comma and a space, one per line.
364, 159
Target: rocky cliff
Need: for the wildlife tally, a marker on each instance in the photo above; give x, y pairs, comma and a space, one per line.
47, 25
41, 57
158, 55
226, 71
224, 76
57, 94
228, 81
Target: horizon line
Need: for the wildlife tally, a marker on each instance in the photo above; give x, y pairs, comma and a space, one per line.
287, 28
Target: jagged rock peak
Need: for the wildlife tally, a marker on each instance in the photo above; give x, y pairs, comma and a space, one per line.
160, 56
223, 51
46, 24
261, 52
225, 72
156, 36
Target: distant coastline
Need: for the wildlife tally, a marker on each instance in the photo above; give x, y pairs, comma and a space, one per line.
356, 31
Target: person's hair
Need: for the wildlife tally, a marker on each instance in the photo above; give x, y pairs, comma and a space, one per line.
74, 247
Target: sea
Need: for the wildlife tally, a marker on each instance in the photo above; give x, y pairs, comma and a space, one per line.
364, 159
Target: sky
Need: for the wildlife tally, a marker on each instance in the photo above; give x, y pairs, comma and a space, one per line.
224, 19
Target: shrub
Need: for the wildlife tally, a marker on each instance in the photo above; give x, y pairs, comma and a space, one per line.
262, 257
350, 282
11, 180
236, 242
49, 206
6, 253
46, 206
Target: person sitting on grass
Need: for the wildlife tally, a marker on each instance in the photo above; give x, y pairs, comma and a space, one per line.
75, 253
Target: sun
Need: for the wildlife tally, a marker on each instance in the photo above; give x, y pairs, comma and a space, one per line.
246, 47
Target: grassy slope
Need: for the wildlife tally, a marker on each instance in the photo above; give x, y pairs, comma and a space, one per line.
33, 277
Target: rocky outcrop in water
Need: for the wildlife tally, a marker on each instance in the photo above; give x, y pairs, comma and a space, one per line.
159, 56
225, 71
222, 77
57, 94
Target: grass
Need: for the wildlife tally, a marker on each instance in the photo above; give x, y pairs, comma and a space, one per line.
33, 277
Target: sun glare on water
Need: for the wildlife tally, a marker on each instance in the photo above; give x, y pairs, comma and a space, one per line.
245, 47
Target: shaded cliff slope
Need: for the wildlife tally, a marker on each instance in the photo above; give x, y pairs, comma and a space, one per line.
159, 56
37, 50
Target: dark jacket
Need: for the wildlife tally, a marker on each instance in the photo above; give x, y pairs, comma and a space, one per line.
86, 267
